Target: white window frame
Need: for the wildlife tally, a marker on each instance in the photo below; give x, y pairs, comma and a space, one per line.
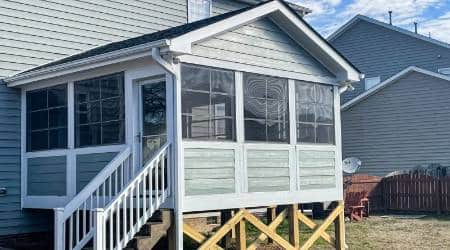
190, 5
444, 71
367, 82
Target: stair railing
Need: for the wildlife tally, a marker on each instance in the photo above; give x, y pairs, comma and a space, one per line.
117, 223
74, 224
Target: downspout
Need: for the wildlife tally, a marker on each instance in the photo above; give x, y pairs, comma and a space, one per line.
176, 233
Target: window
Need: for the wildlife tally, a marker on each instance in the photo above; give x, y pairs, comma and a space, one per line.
208, 103
372, 82
266, 113
99, 111
315, 113
47, 118
444, 71
198, 9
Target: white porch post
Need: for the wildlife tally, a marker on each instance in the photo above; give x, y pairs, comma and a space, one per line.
99, 230
59, 229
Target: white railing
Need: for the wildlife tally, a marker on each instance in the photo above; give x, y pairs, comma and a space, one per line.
118, 222
74, 224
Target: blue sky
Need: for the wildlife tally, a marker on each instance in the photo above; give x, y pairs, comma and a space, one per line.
433, 16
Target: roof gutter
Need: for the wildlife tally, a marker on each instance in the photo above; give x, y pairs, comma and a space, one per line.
84, 64
156, 55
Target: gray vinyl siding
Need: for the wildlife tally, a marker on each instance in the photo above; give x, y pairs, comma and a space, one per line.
401, 126
378, 51
260, 44
14, 220
34, 32
47, 176
209, 171
316, 169
224, 6
268, 170
89, 165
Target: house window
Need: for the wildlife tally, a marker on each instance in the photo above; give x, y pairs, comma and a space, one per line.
208, 103
372, 82
444, 71
99, 111
315, 113
266, 114
198, 9
47, 118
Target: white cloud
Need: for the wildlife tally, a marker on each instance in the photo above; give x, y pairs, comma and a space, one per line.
439, 28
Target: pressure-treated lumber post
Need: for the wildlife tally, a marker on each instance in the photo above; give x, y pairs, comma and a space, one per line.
339, 229
241, 236
225, 215
294, 229
271, 214
99, 230
60, 227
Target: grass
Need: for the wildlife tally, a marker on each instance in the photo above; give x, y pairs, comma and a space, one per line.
376, 232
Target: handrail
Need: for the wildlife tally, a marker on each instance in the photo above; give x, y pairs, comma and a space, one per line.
96, 182
137, 176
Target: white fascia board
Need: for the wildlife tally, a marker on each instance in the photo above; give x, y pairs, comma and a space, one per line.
113, 57
389, 81
310, 40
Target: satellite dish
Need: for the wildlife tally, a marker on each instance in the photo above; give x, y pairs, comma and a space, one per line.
351, 165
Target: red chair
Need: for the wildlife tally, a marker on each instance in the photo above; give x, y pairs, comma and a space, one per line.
356, 205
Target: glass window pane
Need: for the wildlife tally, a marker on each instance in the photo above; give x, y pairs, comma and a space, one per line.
305, 112
195, 103
111, 86
325, 134
57, 96
324, 94
304, 92
255, 86
38, 140
324, 114
277, 110
277, 131
88, 135
112, 109
112, 132
255, 130
306, 132
222, 105
254, 108
88, 112
38, 120
222, 129
36, 100
276, 88
222, 82
195, 78
196, 127
58, 138
57, 117
154, 108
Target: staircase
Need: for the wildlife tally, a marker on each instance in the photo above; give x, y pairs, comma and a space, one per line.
116, 205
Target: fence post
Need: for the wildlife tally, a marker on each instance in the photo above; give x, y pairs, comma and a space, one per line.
99, 230
384, 193
438, 195
59, 229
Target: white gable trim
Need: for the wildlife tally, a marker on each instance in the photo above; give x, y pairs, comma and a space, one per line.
285, 19
389, 81
358, 18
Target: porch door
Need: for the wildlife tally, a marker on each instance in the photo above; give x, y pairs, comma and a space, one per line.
153, 128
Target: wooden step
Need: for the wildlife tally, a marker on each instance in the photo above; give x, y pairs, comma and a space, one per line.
153, 231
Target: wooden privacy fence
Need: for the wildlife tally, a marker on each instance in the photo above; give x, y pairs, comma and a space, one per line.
403, 193
416, 193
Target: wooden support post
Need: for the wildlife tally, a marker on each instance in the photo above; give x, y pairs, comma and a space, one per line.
271, 214
294, 229
339, 229
438, 194
225, 215
241, 236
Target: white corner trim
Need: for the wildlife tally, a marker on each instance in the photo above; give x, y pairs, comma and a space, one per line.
84, 64
387, 82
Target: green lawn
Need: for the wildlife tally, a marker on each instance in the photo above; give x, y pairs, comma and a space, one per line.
377, 232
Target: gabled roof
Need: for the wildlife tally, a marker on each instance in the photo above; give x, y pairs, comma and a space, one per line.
178, 41
359, 18
390, 81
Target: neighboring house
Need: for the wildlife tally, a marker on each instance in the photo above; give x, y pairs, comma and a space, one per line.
232, 111
397, 118
380, 50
